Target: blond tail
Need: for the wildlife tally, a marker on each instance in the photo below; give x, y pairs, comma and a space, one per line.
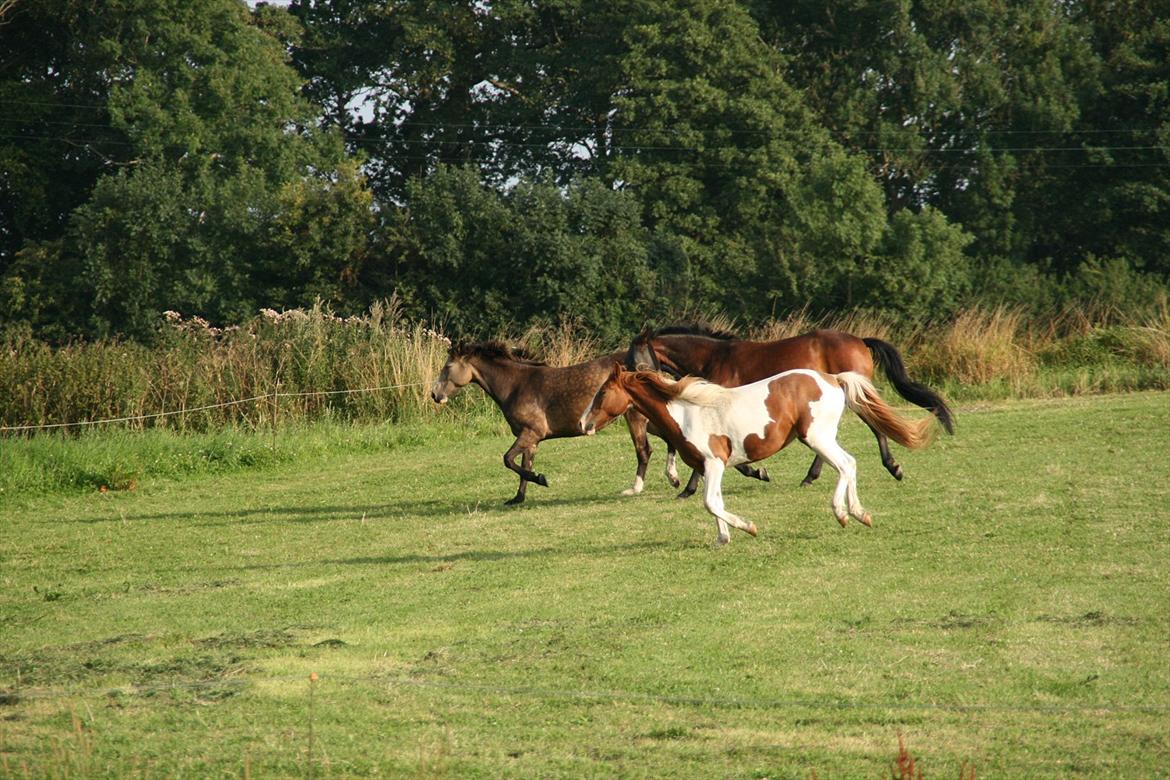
862, 397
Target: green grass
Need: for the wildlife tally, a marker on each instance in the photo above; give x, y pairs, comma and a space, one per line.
1010, 610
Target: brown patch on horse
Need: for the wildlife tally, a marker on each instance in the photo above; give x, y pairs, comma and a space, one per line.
788, 406
720, 446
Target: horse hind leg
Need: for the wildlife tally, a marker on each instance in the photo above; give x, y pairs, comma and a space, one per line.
845, 499
887, 458
814, 471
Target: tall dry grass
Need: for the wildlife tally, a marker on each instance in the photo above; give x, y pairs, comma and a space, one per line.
978, 347
298, 364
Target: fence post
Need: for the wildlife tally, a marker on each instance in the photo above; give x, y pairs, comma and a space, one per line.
275, 412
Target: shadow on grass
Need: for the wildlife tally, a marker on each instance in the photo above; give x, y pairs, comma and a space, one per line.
480, 556
428, 508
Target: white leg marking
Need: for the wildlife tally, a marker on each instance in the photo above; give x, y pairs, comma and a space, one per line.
845, 498
671, 469
635, 490
713, 499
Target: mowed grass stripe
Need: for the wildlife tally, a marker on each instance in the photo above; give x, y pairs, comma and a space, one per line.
1010, 608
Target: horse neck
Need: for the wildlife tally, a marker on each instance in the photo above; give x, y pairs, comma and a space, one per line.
498, 378
691, 354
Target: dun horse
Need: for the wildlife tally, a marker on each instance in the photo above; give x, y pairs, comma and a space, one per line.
713, 426
722, 358
539, 402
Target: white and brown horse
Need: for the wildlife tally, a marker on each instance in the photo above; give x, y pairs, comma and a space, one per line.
713, 427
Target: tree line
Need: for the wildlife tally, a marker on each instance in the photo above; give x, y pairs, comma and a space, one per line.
605, 162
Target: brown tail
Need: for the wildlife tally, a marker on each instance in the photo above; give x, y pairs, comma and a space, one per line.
863, 398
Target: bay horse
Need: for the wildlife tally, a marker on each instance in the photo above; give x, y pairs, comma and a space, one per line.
538, 401
723, 358
713, 426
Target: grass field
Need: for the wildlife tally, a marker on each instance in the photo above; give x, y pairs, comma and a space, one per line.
1010, 611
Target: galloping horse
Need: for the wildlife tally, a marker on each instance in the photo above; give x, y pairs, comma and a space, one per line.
713, 426
539, 402
722, 358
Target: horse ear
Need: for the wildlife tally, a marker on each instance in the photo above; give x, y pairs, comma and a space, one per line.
617, 369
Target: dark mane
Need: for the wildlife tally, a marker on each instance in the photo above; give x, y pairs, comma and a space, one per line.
494, 350
696, 330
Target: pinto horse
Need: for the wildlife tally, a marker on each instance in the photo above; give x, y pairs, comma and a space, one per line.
713, 427
723, 358
538, 401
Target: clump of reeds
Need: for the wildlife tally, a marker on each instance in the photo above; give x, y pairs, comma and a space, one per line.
298, 364
979, 346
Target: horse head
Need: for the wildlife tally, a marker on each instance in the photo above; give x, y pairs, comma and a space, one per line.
457, 372
610, 402
641, 356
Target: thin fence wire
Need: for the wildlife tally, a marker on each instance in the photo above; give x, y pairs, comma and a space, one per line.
14, 695
195, 409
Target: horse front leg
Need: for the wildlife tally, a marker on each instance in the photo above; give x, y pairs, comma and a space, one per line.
743, 468
713, 500
749, 470
692, 485
672, 466
637, 423
525, 445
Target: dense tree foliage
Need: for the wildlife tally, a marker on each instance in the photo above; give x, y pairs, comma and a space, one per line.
158, 155
607, 162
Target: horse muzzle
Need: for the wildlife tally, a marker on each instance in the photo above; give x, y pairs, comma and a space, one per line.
438, 398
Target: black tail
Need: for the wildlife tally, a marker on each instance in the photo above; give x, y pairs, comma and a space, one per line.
888, 358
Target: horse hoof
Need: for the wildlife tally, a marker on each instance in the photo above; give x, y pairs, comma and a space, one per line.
685, 494
751, 529
866, 520
762, 475
630, 492
675, 482
720, 541
540, 480
806, 483
843, 520
516, 500
897, 472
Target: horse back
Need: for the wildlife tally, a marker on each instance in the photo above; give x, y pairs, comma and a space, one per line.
827, 351
554, 398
